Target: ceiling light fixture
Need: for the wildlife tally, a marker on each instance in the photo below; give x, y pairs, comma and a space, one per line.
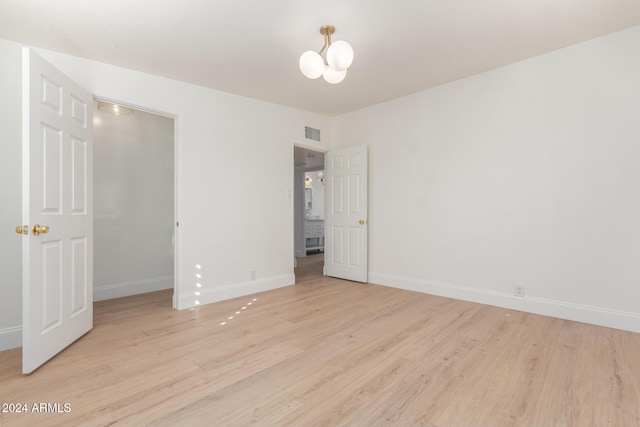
115, 109
339, 58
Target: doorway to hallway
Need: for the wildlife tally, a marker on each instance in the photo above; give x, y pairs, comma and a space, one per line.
308, 209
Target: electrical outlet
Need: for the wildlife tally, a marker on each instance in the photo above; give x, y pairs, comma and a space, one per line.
519, 291
253, 275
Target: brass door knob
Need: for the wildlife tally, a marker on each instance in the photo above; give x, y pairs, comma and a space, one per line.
362, 221
22, 229
40, 229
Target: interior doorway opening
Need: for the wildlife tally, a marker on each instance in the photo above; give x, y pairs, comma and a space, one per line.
309, 212
134, 201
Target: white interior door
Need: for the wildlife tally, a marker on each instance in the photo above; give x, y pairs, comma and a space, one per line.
57, 196
346, 228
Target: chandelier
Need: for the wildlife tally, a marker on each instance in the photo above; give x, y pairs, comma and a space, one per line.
339, 57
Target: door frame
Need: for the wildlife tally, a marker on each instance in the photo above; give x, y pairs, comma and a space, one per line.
176, 181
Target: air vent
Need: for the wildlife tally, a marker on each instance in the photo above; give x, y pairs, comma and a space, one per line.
311, 133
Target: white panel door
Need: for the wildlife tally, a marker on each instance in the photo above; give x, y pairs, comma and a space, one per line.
57, 196
346, 229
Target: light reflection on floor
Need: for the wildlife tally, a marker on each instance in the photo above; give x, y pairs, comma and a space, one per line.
197, 293
239, 311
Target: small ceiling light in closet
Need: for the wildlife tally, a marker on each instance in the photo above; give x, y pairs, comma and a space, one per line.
114, 109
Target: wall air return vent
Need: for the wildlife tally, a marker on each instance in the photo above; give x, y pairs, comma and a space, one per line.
311, 133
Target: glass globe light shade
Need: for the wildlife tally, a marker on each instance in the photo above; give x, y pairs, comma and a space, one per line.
332, 76
311, 64
340, 55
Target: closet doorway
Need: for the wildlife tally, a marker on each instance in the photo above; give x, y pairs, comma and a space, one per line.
134, 201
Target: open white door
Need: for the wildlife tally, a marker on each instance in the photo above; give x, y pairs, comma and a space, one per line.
346, 229
57, 251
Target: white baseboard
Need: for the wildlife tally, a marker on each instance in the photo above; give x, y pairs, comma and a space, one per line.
581, 313
10, 338
119, 290
207, 296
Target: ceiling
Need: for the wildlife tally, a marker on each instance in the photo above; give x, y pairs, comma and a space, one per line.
307, 160
251, 47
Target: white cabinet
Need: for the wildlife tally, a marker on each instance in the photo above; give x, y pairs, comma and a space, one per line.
314, 234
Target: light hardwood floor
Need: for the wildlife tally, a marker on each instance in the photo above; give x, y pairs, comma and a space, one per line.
328, 352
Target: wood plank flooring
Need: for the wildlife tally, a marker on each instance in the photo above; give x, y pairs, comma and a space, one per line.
328, 352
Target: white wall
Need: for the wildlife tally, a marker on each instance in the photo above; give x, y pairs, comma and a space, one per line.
526, 175
234, 155
11, 199
133, 203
